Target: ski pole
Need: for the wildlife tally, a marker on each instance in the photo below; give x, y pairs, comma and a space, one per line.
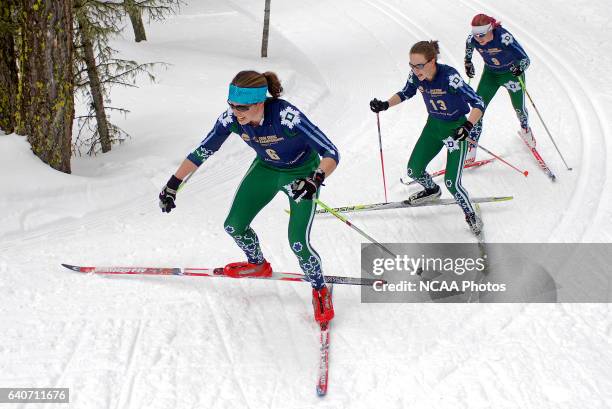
473, 142
185, 180
352, 226
543, 123
382, 161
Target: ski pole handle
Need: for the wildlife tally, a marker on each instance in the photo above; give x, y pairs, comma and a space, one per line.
473, 142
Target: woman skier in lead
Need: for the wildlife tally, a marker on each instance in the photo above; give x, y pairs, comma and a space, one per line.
505, 62
448, 99
293, 156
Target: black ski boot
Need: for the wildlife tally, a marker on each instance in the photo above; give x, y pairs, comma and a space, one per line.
425, 196
474, 222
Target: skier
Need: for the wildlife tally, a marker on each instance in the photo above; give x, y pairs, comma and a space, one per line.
505, 61
287, 147
446, 97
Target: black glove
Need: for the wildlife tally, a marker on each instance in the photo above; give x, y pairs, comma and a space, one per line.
463, 131
516, 70
469, 69
306, 188
168, 194
377, 106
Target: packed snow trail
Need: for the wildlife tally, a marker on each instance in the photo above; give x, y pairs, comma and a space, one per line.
134, 342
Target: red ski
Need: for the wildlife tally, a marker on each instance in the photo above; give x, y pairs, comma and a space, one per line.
475, 164
323, 374
539, 159
214, 272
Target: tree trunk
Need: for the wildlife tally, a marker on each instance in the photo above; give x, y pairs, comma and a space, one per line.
266, 30
136, 19
95, 87
8, 67
46, 87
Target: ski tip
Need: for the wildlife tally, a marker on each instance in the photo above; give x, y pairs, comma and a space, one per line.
321, 392
493, 199
503, 198
70, 267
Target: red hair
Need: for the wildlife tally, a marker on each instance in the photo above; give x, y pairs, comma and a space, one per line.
483, 20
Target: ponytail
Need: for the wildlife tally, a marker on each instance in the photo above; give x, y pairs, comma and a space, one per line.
274, 85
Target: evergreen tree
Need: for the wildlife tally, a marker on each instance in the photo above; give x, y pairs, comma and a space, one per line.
98, 69
154, 9
46, 82
8, 65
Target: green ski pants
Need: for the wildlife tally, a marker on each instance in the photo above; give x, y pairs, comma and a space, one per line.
488, 86
436, 135
258, 187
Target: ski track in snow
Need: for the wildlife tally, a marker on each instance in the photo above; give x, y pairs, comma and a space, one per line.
133, 342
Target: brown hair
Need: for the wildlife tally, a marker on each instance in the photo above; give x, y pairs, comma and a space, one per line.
429, 49
253, 79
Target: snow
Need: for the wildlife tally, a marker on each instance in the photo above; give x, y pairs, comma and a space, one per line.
134, 342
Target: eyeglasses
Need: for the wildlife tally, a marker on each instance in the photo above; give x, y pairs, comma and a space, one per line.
419, 66
480, 35
240, 108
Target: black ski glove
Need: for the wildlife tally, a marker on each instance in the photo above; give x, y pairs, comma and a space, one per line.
469, 69
306, 188
463, 131
516, 70
167, 196
377, 105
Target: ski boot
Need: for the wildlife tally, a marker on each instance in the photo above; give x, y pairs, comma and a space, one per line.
246, 269
527, 137
474, 222
425, 196
322, 304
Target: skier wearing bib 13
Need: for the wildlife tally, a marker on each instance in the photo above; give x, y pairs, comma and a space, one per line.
448, 99
292, 155
505, 61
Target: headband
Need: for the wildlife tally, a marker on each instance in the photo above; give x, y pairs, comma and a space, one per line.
247, 95
479, 30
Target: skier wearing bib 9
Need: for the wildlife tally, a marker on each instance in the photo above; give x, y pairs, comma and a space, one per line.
505, 62
292, 155
448, 99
